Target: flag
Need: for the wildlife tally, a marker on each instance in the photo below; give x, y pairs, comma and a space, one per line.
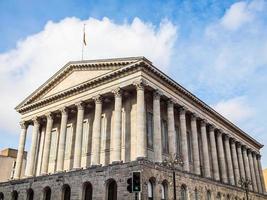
84, 39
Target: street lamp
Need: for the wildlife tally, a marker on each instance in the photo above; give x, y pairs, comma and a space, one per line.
245, 183
172, 162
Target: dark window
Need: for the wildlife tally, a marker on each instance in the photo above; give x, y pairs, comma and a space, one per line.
150, 190
183, 192
164, 191
1, 196
66, 192
208, 195
14, 195
149, 130
164, 135
87, 191
112, 190
47, 193
30, 194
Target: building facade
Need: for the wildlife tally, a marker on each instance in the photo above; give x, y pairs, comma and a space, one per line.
94, 122
8, 163
265, 178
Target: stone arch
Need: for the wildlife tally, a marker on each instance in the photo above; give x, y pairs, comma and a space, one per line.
164, 190
184, 192
209, 195
47, 193
111, 189
87, 191
196, 194
218, 196
14, 195
2, 196
151, 186
66, 192
30, 194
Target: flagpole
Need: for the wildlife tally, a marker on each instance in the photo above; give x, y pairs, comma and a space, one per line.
83, 41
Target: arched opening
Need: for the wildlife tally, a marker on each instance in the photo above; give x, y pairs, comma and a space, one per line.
208, 195
151, 188
1, 196
111, 190
47, 193
30, 194
164, 190
228, 197
87, 191
196, 194
218, 197
14, 195
66, 191
183, 192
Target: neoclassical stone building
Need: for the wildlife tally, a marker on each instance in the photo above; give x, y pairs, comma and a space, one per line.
96, 121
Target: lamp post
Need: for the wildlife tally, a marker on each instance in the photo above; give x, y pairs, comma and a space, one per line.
172, 162
245, 183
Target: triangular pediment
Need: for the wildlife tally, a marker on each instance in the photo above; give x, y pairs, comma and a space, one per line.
74, 74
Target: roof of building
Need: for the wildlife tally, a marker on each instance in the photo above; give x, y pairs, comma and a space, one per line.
123, 64
9, 152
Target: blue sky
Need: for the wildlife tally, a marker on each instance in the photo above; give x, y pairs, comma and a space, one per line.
216, 49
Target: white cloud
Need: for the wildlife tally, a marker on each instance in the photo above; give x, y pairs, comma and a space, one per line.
236, 109
38, 56
241, 13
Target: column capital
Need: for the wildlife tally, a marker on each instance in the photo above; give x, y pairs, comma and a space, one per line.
117, 92
182, 110
80, 105
23, 125
157, 94
98, 99
203, 122
226, 136
211, 127
194, 116
64, 110
140, 84
49, 116
244, 147
36, 121
258, 156
171, 102
232, 140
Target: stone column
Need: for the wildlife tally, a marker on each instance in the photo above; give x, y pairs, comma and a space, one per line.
241, 162
21, 148
229, 160
116, 137
96, 135
246, 163
157, 140
79, 136
47, 144
33, 151
171, 128
261, 174
184, 141
221, 156
141, 148
256, 167
235, 161
214, 154
205, 150
252, 171
195, 144
62, 139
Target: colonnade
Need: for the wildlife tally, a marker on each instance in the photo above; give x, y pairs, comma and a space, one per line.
223, 157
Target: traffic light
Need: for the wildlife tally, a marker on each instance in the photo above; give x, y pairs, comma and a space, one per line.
130, 185
136, 182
